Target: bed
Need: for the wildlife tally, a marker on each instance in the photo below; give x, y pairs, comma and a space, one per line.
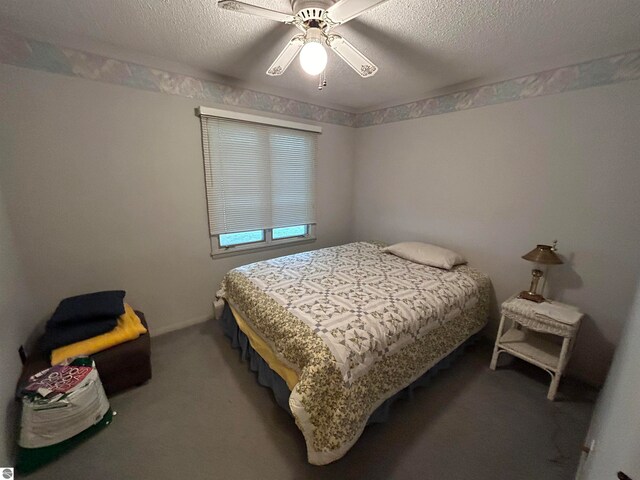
348, 327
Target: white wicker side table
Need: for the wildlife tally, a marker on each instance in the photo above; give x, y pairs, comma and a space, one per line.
526, 338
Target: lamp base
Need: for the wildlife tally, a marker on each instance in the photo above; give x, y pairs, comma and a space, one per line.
533, 297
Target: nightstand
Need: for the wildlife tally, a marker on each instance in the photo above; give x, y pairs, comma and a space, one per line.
527, 335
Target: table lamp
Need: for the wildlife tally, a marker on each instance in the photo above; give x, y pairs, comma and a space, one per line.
542, 255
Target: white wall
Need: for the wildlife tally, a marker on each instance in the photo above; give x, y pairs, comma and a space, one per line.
104, 188
492, 182
17, 310
615, 425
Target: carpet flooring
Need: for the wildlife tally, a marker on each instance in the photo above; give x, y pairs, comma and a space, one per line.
203, 416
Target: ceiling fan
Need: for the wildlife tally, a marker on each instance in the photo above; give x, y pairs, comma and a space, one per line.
316, 19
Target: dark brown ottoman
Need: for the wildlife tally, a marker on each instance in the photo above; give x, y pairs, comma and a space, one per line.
120, 367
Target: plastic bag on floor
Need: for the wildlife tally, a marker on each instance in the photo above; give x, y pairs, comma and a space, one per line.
61, 406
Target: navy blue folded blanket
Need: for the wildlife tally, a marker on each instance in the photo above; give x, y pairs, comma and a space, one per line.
82, 317
109, 304
60, 335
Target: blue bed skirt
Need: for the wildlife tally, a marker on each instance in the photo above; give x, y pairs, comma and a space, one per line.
268, 378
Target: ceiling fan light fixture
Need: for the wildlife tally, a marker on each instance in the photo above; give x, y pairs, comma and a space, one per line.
313, 56
316, 19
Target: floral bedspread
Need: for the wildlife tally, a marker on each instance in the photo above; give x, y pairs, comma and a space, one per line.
358, 325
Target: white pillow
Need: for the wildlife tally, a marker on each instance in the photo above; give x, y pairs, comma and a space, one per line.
426, 254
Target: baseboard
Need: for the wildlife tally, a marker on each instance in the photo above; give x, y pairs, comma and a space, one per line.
180, 325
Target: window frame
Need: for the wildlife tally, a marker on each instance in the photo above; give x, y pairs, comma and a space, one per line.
267, 243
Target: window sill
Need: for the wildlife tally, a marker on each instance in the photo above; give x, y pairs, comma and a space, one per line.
242, 250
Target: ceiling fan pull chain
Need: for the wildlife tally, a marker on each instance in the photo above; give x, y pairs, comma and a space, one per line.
322, 79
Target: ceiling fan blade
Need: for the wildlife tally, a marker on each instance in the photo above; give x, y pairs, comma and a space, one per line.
346, 10
354, 58
242, 7
286, 56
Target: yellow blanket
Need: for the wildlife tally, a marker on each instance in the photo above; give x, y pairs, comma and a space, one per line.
264, 350
129, 327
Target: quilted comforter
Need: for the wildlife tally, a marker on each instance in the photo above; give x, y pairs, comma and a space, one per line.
357, 325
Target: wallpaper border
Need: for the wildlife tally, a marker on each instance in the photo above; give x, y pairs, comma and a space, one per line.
22, 52
602, 71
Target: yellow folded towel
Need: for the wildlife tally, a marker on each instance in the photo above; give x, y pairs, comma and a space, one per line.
129, 327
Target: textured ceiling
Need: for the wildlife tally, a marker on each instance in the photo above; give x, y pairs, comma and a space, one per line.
421, 47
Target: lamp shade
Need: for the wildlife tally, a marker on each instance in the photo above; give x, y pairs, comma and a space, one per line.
543, 254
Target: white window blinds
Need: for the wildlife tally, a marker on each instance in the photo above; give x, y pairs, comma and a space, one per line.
258, 176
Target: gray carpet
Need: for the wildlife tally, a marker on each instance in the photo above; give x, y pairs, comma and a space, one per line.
203, 416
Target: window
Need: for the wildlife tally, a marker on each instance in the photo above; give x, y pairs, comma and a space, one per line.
260, 180
231, 239
289, 232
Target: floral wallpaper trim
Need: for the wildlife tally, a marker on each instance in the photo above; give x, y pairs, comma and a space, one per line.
603, 71
22, 52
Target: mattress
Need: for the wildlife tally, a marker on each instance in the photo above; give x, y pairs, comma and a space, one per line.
354, 325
